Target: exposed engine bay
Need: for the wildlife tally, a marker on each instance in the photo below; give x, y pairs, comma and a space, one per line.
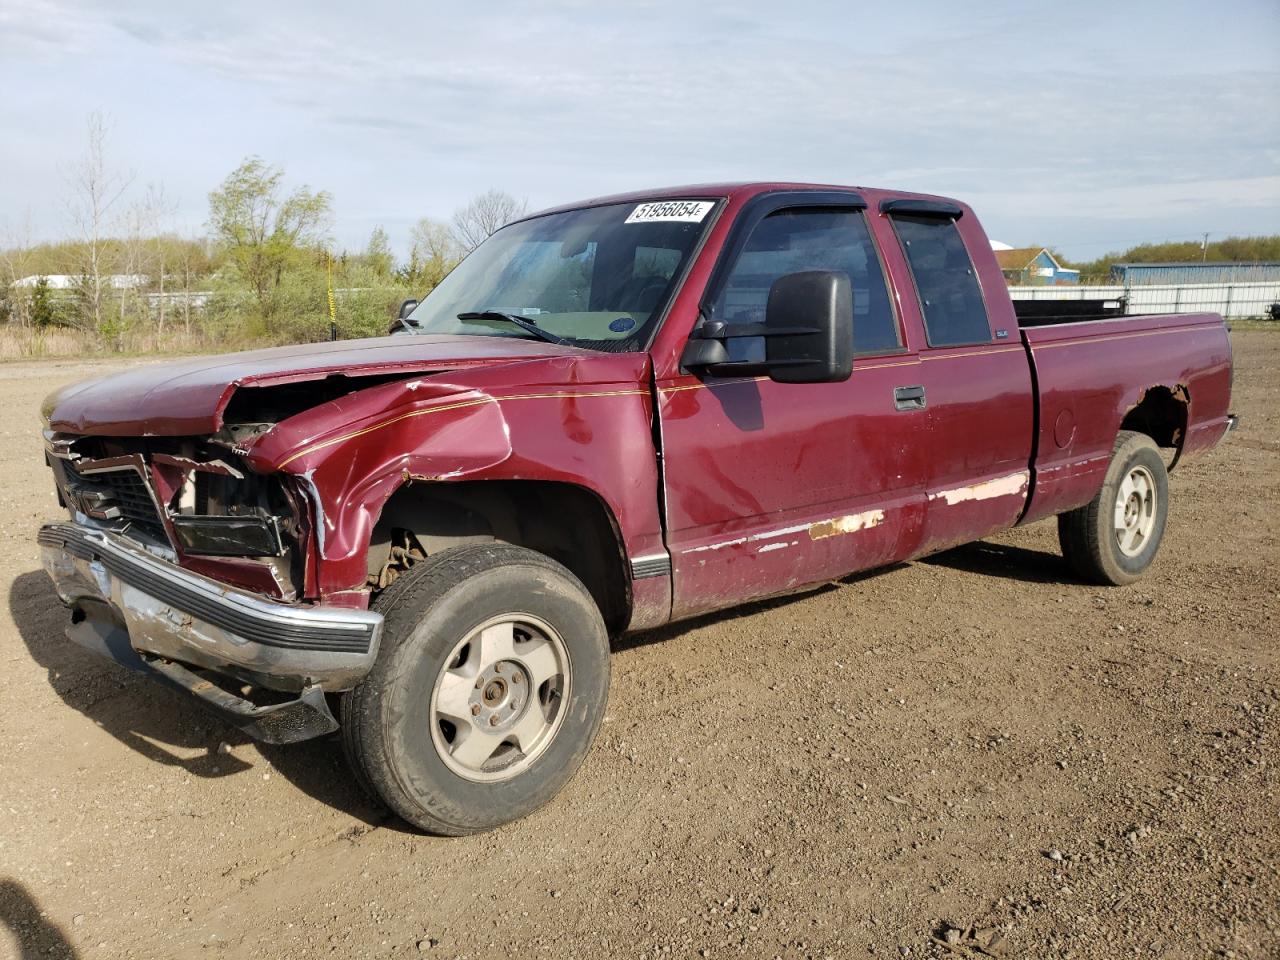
184, 498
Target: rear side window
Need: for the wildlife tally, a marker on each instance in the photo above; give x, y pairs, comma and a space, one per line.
950, 298
794, 240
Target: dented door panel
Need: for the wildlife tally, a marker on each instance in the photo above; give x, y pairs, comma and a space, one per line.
773, 486
981, 427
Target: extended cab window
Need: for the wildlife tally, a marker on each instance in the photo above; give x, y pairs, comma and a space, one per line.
950, 298
790, 241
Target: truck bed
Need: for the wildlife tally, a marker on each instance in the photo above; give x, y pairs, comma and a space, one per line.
1091, 375
1039, 313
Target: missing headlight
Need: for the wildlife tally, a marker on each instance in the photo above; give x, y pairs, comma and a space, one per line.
225, 536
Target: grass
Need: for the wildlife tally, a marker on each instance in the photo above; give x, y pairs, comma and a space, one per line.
62, 342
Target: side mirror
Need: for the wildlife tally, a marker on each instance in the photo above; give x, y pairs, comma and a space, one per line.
807, 331
809, 328
402, 321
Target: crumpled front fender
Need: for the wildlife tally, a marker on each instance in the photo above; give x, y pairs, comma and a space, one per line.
350, 455
427, 431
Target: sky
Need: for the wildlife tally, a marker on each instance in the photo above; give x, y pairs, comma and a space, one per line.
1086, 126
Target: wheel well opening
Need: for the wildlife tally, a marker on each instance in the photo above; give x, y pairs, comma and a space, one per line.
569, 524
1161, 414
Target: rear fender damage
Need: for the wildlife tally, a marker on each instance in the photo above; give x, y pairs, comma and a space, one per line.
1162, 413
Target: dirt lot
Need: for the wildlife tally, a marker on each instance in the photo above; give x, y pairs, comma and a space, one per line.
972, 740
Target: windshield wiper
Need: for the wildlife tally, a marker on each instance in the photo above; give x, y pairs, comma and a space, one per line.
524, 323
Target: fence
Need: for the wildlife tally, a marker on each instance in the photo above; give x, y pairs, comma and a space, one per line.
1233, 300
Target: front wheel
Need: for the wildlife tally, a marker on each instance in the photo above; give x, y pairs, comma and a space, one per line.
488, 689
1114, 538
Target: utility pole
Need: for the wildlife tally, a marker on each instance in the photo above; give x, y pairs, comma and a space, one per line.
1204, 248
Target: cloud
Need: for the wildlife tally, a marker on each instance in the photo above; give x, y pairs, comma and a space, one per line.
41, 28
1138, 201
393, 105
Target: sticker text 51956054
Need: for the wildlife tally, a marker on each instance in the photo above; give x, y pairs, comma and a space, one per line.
689, 211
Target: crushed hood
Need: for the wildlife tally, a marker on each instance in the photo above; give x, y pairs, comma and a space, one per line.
189, 397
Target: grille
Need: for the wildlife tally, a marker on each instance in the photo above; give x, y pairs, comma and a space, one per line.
128, 492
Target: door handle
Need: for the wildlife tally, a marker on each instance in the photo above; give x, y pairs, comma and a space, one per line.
908, 398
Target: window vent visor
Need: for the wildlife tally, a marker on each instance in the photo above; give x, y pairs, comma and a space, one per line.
942, 209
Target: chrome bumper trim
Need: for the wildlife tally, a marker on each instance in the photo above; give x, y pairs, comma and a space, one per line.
173, 613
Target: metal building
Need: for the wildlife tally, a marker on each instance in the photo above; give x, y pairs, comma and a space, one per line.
1147, 274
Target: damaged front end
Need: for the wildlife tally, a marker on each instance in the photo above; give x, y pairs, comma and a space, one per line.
221, 525
182, 562
190, 501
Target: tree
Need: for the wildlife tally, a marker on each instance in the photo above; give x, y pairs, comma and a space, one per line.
1174, 251
190, 259
484, 216
433, 252
141, 256
157, 209
377, 255
264, 232
44, 313
16, 260
95, 192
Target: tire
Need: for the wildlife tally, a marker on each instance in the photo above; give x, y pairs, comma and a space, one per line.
543, 691
1113, 539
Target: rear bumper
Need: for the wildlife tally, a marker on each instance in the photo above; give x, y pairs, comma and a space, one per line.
151, 614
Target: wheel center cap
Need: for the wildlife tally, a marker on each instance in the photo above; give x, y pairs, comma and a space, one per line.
494, 692
499, 696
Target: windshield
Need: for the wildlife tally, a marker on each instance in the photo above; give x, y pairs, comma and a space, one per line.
598, 277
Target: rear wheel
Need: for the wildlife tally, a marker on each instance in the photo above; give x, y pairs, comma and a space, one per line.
489, 687
1114, 538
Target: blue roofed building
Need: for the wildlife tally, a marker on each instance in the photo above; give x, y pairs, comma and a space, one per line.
1034, 266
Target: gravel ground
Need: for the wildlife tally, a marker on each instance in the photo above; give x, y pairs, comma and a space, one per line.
968, 755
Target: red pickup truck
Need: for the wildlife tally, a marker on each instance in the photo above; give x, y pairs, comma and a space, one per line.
611, 415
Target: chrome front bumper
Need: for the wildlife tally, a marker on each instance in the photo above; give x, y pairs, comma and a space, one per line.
172, 615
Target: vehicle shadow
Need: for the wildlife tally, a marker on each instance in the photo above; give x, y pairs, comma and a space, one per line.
165, 727
161, 724
988, 559
1006, 562
36, 934
681, 627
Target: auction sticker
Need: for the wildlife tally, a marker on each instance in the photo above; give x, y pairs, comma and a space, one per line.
686, 211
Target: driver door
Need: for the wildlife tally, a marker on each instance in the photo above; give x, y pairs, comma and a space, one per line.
770, 486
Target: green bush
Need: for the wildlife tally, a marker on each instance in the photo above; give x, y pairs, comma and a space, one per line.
39, 306
365, 305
